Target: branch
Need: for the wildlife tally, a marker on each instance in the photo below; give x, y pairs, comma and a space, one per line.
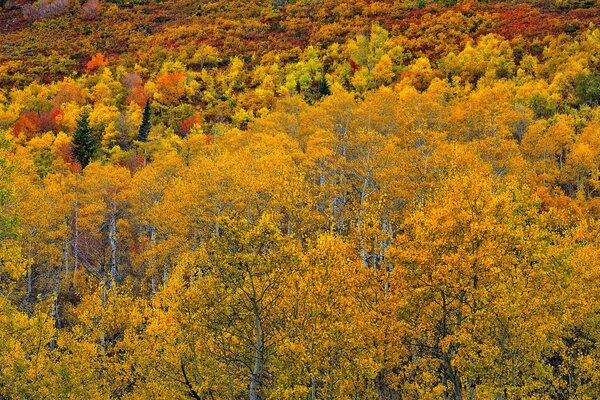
193, 393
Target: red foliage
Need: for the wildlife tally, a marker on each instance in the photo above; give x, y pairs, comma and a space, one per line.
91, 9
31, 123
65, 152
69, 92
50, 121
131, 80
188, 123
44, 9
132, 162
139, 95
28, 125
57, 114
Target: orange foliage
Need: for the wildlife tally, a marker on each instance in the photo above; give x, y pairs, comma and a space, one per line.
188, 123
139, 96
69, 92
28, 124
31, 123
171, 86
96, 62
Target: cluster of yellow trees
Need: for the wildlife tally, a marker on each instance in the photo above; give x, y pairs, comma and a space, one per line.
408, 232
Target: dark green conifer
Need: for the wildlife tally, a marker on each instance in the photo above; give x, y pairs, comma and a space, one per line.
84, 142
324, 87
144, 131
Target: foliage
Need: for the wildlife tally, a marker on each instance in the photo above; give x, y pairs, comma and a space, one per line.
145, 127
300, 199
84, 141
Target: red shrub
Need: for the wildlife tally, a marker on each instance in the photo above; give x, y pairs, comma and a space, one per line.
44, 9
91, 9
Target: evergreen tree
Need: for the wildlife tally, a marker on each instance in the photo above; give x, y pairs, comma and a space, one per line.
84, 142
144, 131
324, 87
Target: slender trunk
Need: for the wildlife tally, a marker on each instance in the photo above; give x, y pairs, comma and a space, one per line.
55, 302
385, 243
152, 266
153, 285
66, 257
112, 237
321, 183
29, 280
256, 381
458, 395
451, 375
76, 231
445, 384
29, 270
364, 255
313, 383
104, 291
472, 386
226, 358
374, 255
331, 374
55, 305
192, 392
103, 339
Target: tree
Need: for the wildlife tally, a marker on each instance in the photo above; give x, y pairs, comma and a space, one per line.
144, 131
324, 88
84, 142
587, 89
322, 354
104, 202
477, 268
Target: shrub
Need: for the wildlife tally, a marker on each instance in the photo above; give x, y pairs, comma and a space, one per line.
44, 9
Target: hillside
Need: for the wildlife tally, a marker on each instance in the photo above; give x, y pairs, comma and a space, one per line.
129, 32
307, 199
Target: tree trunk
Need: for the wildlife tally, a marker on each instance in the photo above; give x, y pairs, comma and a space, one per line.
66, 258
313, 383
472, 387
76, 232
112, 237
55, 305
152, 266
29, 281
450, 375
256, 381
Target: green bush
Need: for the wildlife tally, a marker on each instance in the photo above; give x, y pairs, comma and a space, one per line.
587, 89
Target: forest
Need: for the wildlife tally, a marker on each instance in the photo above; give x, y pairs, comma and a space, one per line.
299, 199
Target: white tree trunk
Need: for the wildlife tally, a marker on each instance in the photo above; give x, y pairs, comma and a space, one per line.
112, 237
